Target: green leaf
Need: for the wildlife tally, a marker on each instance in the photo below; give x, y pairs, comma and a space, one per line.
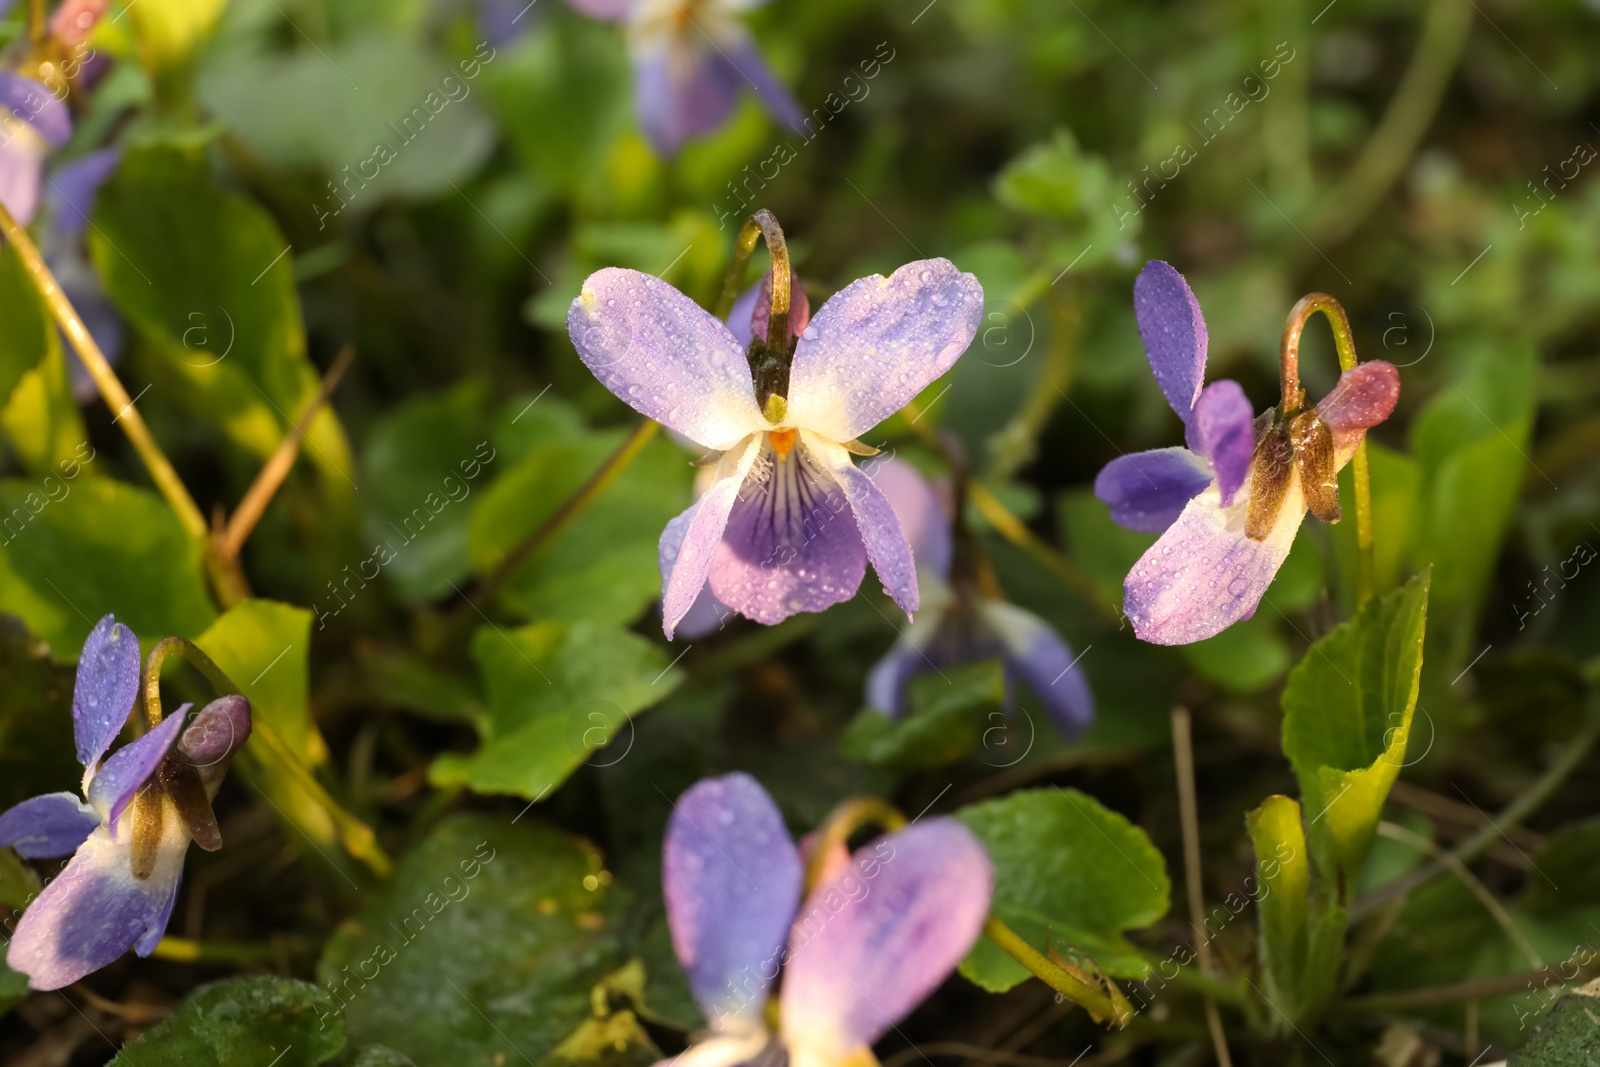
1068, 872
601, 566
1284, 873
1569, 1036
947, 715
482, 948
421, 463
203, 275
79, 549
1347, 713
29, 334
13, 988
375, 1056
411, 129
37, 754
1244, 658
557, 692
248, 1022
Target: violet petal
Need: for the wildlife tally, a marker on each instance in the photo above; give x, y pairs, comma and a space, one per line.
791, 544
731, 877
879, 342
74, 188
1147, 491
1204, 574
1037, 655
130, 767
682, 88
158, 926
694, 537
886, 544
42, 828
37, 106
106, 688
1222, 430
741, 52
924, 516
21, 171
871, 943
215, 735
1364, 396
665, 356
1174, 334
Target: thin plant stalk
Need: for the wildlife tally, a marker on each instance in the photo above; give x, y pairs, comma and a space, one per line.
1074, 989
105, 379
1189, 818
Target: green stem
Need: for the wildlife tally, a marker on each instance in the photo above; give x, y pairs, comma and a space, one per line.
1081, 993
1388, 151
761, 224
356, 836
842, 822
116, 397
1294, 398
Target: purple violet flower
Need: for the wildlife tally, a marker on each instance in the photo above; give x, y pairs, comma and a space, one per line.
145, 804
71, 194
871, 942
1228, 506
790, 522
964, 619
32, 122
690, 59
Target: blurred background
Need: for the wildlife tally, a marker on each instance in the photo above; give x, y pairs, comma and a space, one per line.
1430, 163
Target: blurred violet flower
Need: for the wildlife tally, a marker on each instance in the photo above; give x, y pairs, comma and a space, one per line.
789, 523
32, 123
964, 617
145, 804
71, 193
690, 59
1228, 506
877, 935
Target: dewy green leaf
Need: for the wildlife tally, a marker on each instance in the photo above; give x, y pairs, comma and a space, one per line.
602, 565
1068, 873
265, 647
1347, 716
556, 693
248, 1022
75, 549
947, 716
482, 948
1570, 1036
207, 278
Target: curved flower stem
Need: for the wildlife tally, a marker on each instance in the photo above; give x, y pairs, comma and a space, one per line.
356, 836
116, 397
570, 508
1079, 992
850, 816
761, 224
1294, 398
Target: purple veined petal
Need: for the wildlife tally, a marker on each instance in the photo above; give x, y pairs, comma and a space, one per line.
879, 342
791, 544
1222, 431
924, 515
1147, 491
1037, 655
731, 878
740, 50
106, 688
1174, 334
690, 544
1364, 396
95, 909
42, 828
1204, 574
21, 171
682, 88
33, 103
665, 356
74, 19
606, 10
886, 545
72, 189
754, 307
130, 767
869, 945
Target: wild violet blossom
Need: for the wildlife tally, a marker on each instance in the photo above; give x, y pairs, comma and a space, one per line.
877, 935
790, 522
964, 619
70, 194
145, 804
690, 59
33, 122
1228, 506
